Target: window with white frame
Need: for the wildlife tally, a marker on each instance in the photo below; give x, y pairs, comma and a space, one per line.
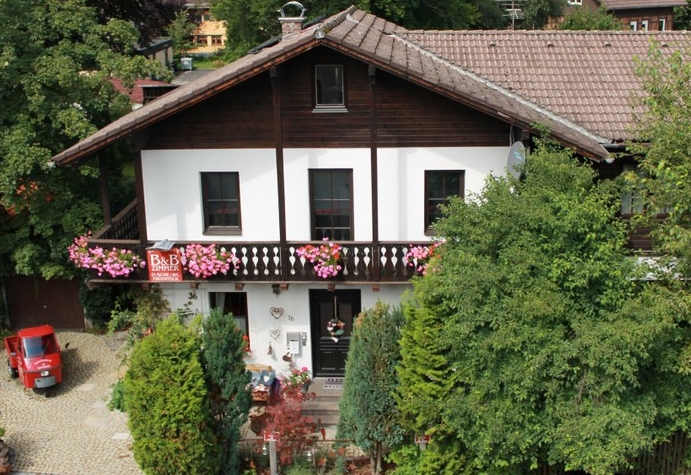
661, 24
329, 89
644, 25
634, 25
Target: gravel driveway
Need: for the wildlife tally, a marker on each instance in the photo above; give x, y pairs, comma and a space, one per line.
70, 432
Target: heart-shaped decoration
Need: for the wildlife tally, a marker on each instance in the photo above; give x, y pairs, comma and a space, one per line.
275, 334
276, 312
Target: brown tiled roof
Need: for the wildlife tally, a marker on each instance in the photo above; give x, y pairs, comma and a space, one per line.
578, 87
585, 76
634, 4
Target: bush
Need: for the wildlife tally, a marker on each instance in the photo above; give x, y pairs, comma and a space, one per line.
369, 414
117, 398
227, 380
137, 311
168, 405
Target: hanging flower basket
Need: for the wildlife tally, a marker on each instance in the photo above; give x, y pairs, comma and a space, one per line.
207, 261
419, 256
114, 262
325, 258
335, 327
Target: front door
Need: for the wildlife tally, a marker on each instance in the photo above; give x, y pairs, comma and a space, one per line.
328, 355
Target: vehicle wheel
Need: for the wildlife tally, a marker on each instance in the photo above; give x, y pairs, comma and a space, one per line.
13, 372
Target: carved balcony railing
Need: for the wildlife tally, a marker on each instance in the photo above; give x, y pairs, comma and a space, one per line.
124, 225
365, 262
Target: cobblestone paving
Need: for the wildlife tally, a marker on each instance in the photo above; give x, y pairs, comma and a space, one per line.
69, 430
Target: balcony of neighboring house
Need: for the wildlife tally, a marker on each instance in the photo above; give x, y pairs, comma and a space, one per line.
270, 262
208, 38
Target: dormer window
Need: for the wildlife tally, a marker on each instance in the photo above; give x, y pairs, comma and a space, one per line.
329, 92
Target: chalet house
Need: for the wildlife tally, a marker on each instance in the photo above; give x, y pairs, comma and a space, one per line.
639, 15
353, 129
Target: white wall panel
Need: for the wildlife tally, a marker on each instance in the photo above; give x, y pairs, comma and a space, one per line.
402, 183
298, 162
172, 191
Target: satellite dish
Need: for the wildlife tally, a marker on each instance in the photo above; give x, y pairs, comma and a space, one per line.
516, 159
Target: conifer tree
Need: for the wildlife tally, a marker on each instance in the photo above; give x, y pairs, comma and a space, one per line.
167, 403
368, 412
227, 381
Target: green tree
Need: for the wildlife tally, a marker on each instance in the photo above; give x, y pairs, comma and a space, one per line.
557, 351
249, 25
538, 12
368, 411
665, 157
55, 65
167, 403
585, 19
180, 31
150, 17
682, 17
227, 380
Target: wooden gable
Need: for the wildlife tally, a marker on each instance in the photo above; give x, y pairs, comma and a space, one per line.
406, 115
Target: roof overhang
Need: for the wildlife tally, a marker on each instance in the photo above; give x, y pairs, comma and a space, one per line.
344, 33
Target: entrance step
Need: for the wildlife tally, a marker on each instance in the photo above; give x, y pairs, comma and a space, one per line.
324, 407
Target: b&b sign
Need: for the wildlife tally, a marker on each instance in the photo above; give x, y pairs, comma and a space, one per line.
164, 266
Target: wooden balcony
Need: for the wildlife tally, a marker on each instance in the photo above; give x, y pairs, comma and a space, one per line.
364, 262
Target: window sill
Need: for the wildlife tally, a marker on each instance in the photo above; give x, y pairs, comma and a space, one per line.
223, 232
336, 109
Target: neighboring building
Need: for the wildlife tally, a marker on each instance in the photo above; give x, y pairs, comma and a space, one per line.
638, 15
353, 129
161, 50
210, 34
209, 37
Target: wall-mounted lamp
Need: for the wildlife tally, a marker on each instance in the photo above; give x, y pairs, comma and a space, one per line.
276, 289
609, 159
319, 33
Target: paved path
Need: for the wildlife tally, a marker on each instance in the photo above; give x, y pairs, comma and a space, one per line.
71, 432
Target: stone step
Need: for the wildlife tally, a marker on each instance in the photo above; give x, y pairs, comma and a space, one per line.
323, 408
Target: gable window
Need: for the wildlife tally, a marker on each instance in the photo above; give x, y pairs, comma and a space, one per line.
634, 25
439, 186
331, 199
644, 25
661, 24
221, 202
329, 92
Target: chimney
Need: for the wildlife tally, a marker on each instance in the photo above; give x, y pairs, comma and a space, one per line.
291, 24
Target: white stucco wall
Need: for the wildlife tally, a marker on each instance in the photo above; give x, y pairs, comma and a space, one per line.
172, 192
172, 188
297, 164
295, 318
401, 207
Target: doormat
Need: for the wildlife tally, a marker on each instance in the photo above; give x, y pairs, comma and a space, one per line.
333, 383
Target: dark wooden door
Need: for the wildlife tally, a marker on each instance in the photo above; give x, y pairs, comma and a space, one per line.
329, 356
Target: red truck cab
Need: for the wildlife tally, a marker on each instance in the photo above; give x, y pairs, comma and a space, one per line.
33, 354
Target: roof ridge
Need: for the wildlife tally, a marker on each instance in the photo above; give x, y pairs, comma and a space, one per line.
337, 19
492, 85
